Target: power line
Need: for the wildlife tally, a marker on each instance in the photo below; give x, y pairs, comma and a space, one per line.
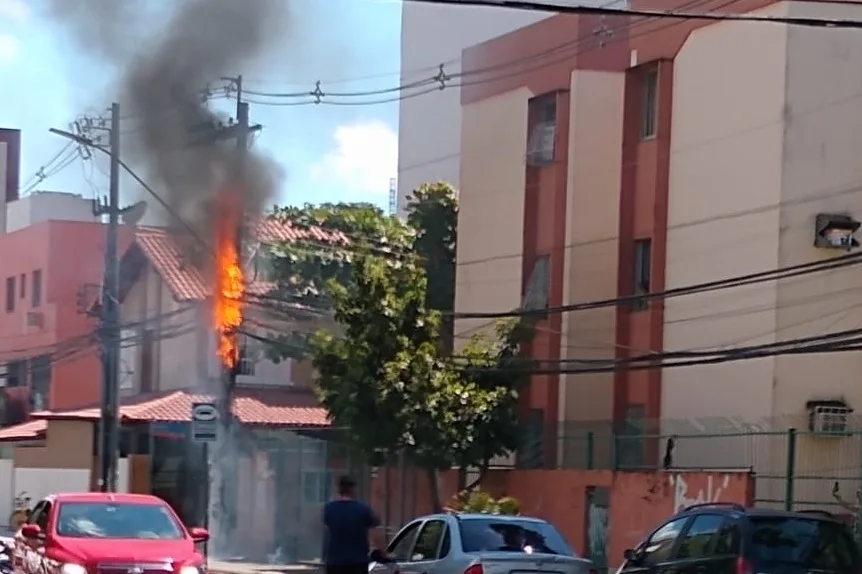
665, 14
709, 286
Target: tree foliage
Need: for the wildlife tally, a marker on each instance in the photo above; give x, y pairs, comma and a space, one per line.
382, 372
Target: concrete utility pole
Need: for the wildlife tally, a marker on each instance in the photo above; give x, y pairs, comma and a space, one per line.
109, 316
109, 321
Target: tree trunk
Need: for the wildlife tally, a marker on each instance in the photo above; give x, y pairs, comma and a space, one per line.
434, 490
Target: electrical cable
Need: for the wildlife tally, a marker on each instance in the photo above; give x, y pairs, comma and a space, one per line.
837, 23
797, 270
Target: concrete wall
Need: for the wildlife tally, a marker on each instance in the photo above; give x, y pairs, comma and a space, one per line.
723, 220
592, 243
429, 126
491, 221
46, 206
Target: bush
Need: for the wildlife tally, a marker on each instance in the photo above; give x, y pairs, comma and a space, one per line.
481, 502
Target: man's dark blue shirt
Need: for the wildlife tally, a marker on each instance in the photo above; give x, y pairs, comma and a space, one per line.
347, 524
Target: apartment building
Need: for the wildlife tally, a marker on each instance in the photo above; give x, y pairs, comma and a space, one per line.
648, 155
51, 260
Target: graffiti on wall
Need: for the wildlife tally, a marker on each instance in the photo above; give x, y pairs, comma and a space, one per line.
598, 498
684, 494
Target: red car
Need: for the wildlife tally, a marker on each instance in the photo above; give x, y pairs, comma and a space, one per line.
106, 533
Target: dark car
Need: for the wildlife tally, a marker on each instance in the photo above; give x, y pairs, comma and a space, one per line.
731, 539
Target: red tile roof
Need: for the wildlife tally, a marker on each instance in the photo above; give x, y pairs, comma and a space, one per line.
187, 282
273, 407
30, 430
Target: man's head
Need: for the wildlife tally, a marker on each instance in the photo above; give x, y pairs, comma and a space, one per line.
346, 487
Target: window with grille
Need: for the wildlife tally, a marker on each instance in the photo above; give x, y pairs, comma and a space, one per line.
642, 277
543, 121
649, 112
249, 355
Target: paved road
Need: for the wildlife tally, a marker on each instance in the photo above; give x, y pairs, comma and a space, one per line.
221, 567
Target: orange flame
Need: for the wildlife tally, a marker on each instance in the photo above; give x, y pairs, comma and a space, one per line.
228, 288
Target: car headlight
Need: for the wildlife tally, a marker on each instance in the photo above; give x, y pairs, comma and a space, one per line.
72, 569
183, 570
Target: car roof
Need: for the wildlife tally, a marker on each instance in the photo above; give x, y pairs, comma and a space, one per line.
116, 497
483, 516
760, 512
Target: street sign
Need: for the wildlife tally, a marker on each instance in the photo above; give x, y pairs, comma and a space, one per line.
204, 422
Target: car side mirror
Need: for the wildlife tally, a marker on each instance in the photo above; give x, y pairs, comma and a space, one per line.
199, 534
631, 555
31, 531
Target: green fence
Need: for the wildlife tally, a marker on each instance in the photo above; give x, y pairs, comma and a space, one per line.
794, 469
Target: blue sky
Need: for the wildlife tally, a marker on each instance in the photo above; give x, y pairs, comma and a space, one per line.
329, 153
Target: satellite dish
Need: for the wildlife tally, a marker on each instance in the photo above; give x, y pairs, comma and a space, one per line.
133, 214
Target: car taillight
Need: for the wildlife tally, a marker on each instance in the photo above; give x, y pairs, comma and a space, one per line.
743, 566
474, 569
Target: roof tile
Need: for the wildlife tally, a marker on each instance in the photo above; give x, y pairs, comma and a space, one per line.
30, 430
275, 407
187, 282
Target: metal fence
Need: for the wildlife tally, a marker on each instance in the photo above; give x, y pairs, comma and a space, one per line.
283, 477
794, 469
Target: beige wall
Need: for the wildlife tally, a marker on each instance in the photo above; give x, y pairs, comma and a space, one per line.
723, 220
184, 352
591, 257
491, 220
174, 325
757, 151
68, 444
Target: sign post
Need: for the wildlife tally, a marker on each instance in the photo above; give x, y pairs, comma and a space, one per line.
205, 425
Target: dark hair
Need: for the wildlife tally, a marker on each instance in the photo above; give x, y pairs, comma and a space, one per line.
346, 486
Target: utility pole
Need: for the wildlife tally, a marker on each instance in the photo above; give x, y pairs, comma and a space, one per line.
109, 315
109, 321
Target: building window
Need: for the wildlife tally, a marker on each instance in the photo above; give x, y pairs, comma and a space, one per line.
36, 289
649, 113
10, 294
147, 361
642, 262
40, 382
543, 121
315, 487
535, 295
249, 355
23, 286
16, 373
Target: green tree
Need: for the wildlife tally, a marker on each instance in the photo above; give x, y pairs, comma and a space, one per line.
432, 212
382, 372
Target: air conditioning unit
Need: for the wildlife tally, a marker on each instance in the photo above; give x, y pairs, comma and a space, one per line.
35, 319
829, 420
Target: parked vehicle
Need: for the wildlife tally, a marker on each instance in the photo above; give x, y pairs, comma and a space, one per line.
722, 538
479, 544
106, 533
20, 511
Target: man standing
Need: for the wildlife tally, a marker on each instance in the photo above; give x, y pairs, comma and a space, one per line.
348, 527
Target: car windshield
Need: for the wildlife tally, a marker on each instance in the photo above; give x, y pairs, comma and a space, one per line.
483, 534
814, 544
117, 520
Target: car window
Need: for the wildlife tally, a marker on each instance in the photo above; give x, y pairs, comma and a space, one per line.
660, 544
428, 540
39, 514
446, 545
696, 540
402, 545
813, 544
727, 539
480, 534
118, 520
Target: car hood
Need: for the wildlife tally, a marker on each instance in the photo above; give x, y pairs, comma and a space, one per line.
100, 550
